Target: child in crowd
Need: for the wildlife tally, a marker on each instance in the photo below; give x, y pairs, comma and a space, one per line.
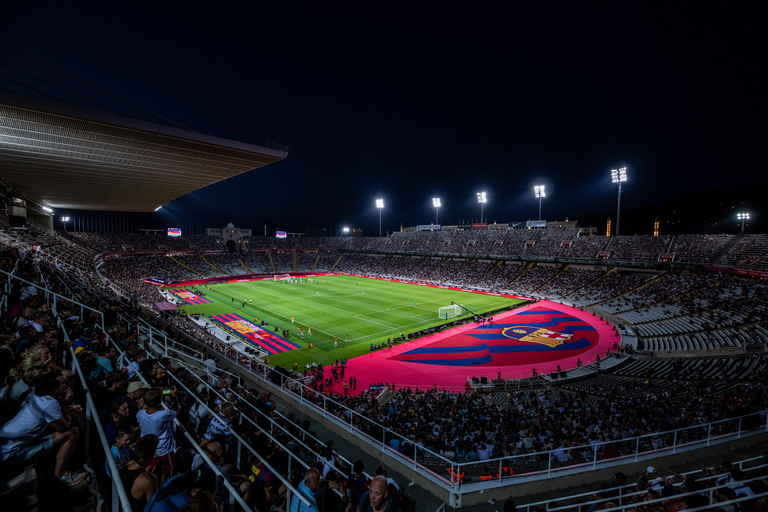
122, 449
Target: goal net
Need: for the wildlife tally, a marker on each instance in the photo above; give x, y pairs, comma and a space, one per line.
280, 277
447, 312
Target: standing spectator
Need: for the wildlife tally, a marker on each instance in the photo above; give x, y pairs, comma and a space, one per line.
357, 484
152, 420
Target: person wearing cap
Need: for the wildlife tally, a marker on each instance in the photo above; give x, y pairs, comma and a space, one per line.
654, 480
133, 396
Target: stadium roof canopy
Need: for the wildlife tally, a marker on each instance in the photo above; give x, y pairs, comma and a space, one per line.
67, 157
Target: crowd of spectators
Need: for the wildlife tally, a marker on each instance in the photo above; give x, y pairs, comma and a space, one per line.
37, 394
638, 247
158, 420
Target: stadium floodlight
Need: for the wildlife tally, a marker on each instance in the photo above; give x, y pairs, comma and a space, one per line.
436, 204
618, 176
538, 191
743, 217
65, 220
345, 230
47, 210
380, 206
482, 199
158, 208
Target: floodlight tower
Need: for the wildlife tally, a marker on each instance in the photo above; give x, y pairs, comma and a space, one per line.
743, 217
482, 199
436, 204
380, 206
64, 220
345, 230
618, 176
538, 191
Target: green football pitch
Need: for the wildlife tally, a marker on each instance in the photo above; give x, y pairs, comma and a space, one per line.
355, 310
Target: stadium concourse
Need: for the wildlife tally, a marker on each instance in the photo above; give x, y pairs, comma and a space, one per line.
537, 339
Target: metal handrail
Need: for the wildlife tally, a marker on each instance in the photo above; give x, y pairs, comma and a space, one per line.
244, 443
281, 427
91, 414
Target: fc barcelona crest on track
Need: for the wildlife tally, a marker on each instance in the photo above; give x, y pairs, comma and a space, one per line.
542, 336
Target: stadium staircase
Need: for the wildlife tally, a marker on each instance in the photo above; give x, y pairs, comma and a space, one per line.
314, 265
634, 290
562, 271
333, 267
668, 250
214, 267
724, 248
271, 263
295, 261
247, 270
495, 266
590, 283
186, 267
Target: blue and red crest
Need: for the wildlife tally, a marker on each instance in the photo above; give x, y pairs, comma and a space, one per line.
536, 335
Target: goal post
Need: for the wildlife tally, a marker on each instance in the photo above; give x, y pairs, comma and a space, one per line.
280, 277
451, 311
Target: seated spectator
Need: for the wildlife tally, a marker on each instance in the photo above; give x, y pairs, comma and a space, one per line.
176, 492
22, 441
117, 413
153, 420
329, 494
267, 489
220, 427
139, 483
307, 488
17, 391
102, 363
134, 397
114, 389
377, 497
122, 450
215, 453
85, 343
203, 501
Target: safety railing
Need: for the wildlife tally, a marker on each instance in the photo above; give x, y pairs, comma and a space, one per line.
548, 465
242, 443
120, 500
284, 421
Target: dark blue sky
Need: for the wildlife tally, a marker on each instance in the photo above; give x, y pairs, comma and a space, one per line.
408, 102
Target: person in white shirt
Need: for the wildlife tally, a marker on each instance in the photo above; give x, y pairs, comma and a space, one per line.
154, 420
22, 441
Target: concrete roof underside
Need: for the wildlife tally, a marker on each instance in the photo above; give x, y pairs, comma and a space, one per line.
66, 157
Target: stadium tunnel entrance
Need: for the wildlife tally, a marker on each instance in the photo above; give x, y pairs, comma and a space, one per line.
232, 247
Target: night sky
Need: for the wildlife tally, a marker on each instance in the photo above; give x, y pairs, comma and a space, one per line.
408, 102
